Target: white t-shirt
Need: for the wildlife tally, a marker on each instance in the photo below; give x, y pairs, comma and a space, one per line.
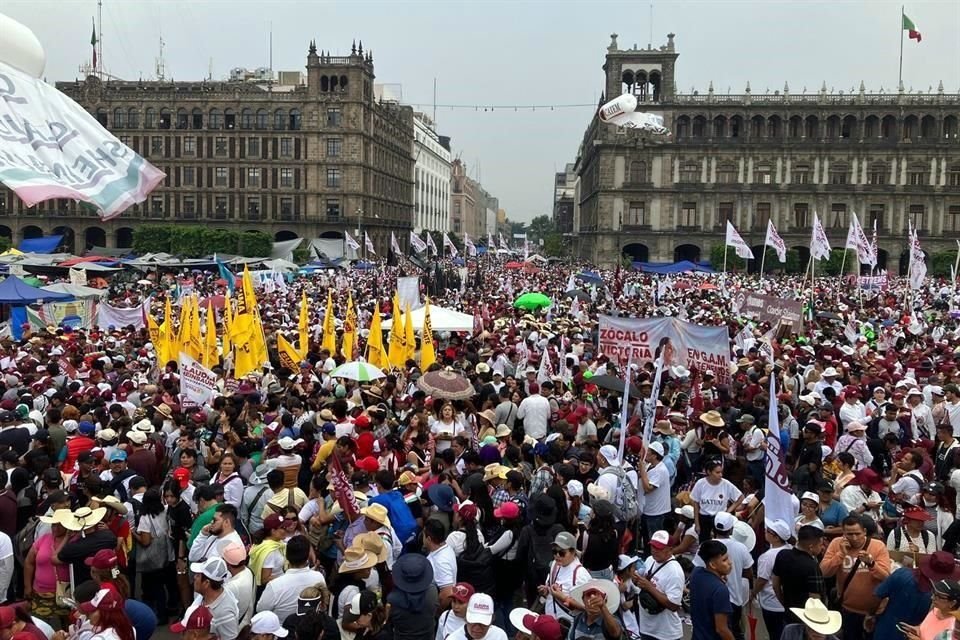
448, 624
241, 586
767, 598
908, 486
714, 498
444, 563
568, 577
670, 580
493, 633
657, 502
754, 438
740, 559
453, 430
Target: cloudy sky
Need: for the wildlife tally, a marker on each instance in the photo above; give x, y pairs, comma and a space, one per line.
515, 53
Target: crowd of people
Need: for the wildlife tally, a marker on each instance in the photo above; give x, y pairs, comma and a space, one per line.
297, 504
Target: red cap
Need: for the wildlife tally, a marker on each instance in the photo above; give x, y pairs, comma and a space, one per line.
368, 464
851, 391
272, 522
544, 627
362, 422
182, 476
634, 444
462, 591
508, 511
104, 600
102, 560
199, 618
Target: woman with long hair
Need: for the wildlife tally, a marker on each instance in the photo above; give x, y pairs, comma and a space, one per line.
598, 542
445, 426
105, 572
154, 529
41, 575
508, 574
106, 617
179, 521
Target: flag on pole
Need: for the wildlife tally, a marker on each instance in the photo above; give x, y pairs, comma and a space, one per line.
857, 240
349, 344
351, 243
774, 240
819, 245
624, 415
468, 246
329, 327
546, 367
367, 241
503, 243
303, 324
93, 41
427, 353
395, 245
918, 261
734, 240
417, 243
376, 354
873, 246
777, 494
908, 26
448, 243
490, 245
432, 244
211, 357
226, 274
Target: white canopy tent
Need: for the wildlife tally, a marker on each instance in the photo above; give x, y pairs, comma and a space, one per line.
440, 319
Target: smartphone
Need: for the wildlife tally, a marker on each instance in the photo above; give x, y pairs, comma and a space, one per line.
904, 627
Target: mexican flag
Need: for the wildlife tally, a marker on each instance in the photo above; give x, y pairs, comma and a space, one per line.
93, 41
912, 28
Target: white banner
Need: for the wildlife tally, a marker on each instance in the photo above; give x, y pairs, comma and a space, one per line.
351, 243
197, 383
78, 276
417, 243
369, 243
395, 246
681, 343
778, 498
408, 291
774, 240
734, 240
819, 245
110, 316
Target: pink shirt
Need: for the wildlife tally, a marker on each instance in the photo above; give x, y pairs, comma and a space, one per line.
45, 576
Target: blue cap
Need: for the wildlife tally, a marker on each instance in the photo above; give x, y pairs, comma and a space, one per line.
329, 428
86, 428
540, 449
118, 455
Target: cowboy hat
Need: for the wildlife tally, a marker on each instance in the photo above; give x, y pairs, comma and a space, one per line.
712, 418
606, 587
59, 517
816, 616
372, 543
84, 518
377, 513
355, 558
744, 534
164, 410
503, 431
489, 416
494, 471
112, 502
664, 427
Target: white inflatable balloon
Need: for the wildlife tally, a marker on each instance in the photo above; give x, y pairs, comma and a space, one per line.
627, 103
20, 48
621, 112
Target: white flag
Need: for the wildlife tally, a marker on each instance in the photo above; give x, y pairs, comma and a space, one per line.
819, 245
351, 243
857, 240
395, 245
417, 243
546, 368
448, 243
78, 276
873, 246
918, 261
369, 243
777, 495
734, 240
575, 307
431, 243
503, 243
774, 240
468, 245
490, 245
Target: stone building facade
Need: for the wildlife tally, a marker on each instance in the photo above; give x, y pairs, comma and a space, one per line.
889, 158
306, 159
465, 214
432, 177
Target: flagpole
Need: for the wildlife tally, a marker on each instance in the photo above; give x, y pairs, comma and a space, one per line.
763, 259
723, 281
900, 77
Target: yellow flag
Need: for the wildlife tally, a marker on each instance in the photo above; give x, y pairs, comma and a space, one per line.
408, 337
153, 330
398, 347
227, 316
246, 332
329, 327
211, 357
196, 340
183, 333
289, 356
349, 345
165, 350
304, 325
259, 346
376, 354
427, 353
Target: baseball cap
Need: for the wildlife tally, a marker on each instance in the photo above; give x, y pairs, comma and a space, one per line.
102, 560
234, 554
462, 592
543, 626
660, 540
104, 600
86, 428
182, 476
779, 527
508, 511
480, 609
214, 568
267, 622
948, 588
565, 540
118, 455
657, 448
194, 618
724, 521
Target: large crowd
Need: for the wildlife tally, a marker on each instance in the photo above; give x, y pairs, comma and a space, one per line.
512, 511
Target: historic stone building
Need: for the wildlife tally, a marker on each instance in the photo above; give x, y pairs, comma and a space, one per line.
292, 158
751, 157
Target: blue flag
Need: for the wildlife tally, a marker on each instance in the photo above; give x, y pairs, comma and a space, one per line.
226, 274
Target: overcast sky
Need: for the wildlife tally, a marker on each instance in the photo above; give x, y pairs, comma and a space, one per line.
514, 53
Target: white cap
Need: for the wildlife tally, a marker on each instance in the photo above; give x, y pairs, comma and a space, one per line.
214, 568
624, 561
657, 448
267, 622
779, 527
660, 539
724, 521
574, 488
609, 452
480, 609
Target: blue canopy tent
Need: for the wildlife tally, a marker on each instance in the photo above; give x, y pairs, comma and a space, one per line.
18, 294
46, 244
666, 268
590, 276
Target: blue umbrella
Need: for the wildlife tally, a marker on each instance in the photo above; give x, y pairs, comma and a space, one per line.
590, 276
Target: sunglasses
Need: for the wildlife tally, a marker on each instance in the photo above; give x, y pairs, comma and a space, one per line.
560, 552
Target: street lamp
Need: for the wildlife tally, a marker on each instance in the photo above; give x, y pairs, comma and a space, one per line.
360, 238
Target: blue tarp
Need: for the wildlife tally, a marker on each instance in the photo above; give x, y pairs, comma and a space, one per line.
13, 290
590, 276
47, 244
666, 268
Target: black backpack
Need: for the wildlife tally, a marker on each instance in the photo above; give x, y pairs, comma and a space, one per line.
117, 487
475, 566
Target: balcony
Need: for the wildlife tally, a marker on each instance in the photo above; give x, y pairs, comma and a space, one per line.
630, 226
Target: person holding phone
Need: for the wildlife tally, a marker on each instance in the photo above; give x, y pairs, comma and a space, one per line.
940, 619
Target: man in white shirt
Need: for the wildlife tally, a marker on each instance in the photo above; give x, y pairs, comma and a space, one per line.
922, 418
754, 442
740, 573
777, 534
479, 621
662, 577
952, 393
442, 558
852, 410
240, 582
535, 412
217, 535
281, 594
906, 481
655, 482
828, 379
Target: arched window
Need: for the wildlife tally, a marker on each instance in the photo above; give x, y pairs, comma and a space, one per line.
811, 128
719, 127
262, 119
166, 119
848, 129
150, 119
280, 119
699, 127
102, 117
774, 127
682, 127
119, 118
871, 127
795, 128
756, 126
246, 119
196, 119
295, 119
133, 118
215, 119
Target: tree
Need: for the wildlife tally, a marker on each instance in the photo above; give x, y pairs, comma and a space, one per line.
197, 241
554, 245
734, 262
831, 266
517, 228
940, 263
540, 227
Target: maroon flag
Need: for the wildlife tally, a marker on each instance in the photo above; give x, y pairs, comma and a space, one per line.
342, 489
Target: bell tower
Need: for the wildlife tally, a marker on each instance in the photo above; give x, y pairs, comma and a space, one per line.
646, 73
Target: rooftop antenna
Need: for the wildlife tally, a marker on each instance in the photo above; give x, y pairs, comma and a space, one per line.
100, 38
650, 41
160, 64
210, 70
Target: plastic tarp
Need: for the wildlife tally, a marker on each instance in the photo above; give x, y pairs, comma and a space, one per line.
284, 249
15, 291
666, 268
47, 244
440, 319
75, 290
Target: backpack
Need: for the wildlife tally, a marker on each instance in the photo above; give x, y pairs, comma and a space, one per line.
626, 503
116, 484
898, 537
25, 539
401, 518
475, 566
540, 550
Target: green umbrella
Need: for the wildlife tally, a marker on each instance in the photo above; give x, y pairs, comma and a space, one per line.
359, 371
532, 301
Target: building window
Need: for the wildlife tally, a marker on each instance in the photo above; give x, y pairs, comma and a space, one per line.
839, 174
953, 175
333, 147
253, 208
725, 212
189, 176
215, 121
918, 176
838, 215
253, 177
334, 116
220, 208
878, 173
246, 119
156, 206
689, 172
801, 174
220, 176
295, 120
688, 214
262, 119
916, 213
253, 147
761, 215
763, 174
875, 218
286, 147
286, 208
279, 120
801, 215
638, 173
189, 206
286, 177
953, 217
189, 145
727, 174
156, 145
637, 214
124, 140
333, 177
221, 147
333, 208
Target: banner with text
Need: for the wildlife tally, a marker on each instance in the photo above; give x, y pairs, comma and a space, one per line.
408, 290
683, 343
197, 383
769, 309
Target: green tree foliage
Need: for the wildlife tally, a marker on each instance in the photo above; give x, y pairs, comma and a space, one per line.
197, 241
5, 243
554, 245
831, 266
540, 227
939, 264
734, 262
517, 227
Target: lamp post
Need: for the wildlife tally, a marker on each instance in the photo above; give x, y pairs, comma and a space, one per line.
360, 238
